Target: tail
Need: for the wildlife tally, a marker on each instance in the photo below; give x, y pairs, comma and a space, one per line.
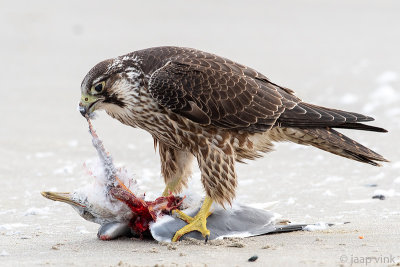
334, 142
313, 125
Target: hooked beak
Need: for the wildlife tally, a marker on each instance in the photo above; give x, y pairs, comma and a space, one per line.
87, 104
62, 197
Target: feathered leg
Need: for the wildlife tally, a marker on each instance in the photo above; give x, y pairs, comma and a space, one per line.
219, 180
176, 167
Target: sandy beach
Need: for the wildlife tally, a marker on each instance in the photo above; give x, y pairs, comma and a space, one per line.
342, 54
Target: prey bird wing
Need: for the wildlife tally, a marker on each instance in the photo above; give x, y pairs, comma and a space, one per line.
211, 90
236, 221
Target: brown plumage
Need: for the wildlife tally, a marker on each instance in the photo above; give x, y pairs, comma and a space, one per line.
196, 104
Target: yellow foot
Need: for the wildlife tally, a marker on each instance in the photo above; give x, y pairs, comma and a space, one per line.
196, 223
166, 192
170, 187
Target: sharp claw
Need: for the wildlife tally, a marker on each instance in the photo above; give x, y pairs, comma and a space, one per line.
206, 239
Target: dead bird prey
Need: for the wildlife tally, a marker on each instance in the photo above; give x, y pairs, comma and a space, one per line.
113, 202
196, 104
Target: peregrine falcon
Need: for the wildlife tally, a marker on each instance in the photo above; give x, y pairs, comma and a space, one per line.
200, 105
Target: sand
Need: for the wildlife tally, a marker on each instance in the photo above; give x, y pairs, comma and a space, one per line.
339, 54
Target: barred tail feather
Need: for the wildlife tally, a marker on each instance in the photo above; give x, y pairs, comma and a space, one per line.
334, 142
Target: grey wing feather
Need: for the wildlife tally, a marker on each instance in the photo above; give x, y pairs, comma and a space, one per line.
240, 221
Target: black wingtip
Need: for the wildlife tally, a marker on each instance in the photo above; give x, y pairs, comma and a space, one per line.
360, 126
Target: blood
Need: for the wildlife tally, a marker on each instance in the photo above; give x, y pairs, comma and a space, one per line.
145, 212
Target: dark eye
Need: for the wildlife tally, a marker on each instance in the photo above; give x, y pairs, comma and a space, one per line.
98, 87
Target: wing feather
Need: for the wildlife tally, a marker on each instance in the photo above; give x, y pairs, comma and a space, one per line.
215, 91
222, 91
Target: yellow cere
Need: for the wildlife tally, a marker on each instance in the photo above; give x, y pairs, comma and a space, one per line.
88, 98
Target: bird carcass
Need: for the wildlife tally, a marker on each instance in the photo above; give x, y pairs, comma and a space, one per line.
112, 199
114, 202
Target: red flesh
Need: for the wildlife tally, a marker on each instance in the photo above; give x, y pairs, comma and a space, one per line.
145, 212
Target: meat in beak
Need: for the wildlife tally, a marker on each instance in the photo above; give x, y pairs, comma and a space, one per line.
87, 104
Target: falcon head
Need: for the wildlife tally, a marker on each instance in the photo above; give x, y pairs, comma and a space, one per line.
111, 85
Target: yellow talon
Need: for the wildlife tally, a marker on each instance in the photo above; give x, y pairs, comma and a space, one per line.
196, 223
183, 216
